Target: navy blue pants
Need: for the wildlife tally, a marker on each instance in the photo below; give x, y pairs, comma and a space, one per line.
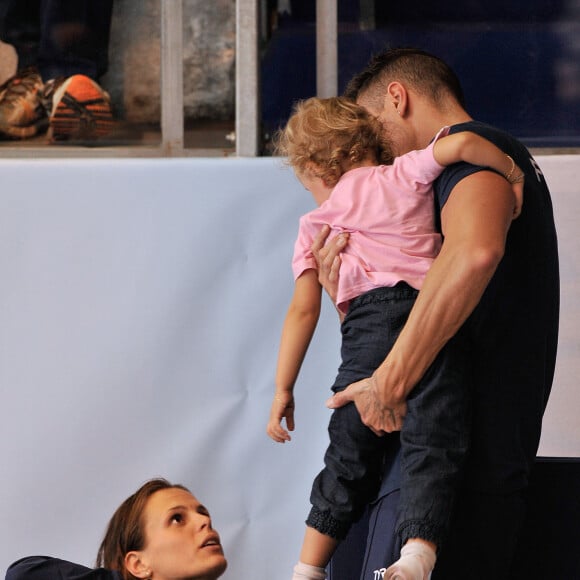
60, 37
479, 546
372, 545
434, 438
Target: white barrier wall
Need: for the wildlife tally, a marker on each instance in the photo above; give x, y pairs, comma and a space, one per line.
140, 307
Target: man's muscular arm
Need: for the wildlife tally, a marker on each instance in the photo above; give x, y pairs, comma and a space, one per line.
475, 221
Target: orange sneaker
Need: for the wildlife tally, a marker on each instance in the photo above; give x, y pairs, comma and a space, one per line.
81, 111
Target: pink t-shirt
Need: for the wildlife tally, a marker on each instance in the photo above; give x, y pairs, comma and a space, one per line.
388, 210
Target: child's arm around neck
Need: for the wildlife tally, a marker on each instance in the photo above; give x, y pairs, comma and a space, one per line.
471, 148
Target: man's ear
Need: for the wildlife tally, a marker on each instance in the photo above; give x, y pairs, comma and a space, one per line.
136, 566
396, 96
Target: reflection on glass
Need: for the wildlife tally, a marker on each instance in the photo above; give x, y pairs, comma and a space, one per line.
209, 37
519, 62
116, 45
52, 59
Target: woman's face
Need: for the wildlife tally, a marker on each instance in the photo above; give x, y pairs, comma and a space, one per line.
180, 543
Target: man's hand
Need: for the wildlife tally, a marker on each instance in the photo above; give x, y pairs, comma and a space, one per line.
374, 414
327, 258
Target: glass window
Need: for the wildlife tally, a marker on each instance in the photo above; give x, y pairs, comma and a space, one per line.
133, 77
209, 37
519, 62
124, 47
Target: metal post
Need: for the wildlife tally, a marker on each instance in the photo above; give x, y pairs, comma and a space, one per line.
172, 112
247, 78
326, 48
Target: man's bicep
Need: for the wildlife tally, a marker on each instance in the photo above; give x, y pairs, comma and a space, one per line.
480, 209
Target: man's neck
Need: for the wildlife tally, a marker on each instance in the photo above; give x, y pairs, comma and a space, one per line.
430, 120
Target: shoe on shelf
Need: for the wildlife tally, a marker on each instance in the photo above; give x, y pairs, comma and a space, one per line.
22, 114
79, 110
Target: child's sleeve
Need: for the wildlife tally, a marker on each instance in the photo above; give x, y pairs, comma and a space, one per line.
419, 167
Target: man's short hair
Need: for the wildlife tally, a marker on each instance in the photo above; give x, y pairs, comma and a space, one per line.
427, 74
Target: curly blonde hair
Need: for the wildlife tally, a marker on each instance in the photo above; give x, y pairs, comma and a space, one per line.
327, 137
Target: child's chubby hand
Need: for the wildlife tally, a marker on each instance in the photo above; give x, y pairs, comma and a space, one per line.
282, 408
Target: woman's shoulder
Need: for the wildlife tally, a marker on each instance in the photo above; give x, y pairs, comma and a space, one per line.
49, 568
